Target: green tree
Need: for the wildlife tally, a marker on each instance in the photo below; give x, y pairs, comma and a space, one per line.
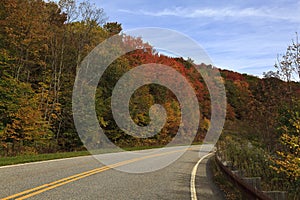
113, 28
22, 127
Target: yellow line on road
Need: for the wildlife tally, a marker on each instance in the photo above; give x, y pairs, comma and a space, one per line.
55, 184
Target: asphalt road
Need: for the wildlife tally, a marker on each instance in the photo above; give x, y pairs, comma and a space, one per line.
133, 175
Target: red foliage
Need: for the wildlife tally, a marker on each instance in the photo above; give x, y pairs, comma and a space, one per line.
233, 76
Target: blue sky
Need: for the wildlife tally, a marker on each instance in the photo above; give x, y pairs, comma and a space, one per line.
243, 36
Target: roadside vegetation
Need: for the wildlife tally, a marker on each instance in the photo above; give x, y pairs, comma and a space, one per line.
273, 155
51, 156
4, 161
251, 160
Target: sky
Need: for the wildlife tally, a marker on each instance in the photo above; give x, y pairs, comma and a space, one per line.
240, 35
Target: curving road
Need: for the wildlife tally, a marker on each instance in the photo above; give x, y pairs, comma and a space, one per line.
86, 178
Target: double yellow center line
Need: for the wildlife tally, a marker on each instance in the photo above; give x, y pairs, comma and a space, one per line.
49, 186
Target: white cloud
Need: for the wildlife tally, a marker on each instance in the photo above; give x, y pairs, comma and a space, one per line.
219, 13
244, 37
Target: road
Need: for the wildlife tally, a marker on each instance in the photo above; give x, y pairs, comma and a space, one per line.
124, 177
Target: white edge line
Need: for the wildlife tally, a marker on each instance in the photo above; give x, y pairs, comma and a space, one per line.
193, 177
62, 159
44, 161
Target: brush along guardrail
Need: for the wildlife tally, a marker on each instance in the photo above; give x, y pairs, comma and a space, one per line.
249, 192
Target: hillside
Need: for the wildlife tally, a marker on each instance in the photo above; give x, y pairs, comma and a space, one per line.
40, 51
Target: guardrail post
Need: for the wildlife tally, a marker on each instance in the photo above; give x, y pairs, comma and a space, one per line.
276, 195
255, 182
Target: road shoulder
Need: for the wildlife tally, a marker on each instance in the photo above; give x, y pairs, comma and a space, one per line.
205, 186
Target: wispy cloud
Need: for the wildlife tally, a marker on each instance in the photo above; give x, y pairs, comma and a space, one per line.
220, 13
243, 36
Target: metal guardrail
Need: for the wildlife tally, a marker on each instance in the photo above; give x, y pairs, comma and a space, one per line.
249, 192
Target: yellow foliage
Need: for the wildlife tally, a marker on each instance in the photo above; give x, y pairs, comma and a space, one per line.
287, 161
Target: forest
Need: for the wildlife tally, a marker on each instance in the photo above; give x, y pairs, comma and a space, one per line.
42, 45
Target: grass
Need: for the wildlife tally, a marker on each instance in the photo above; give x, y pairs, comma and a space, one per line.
51, 156
39, 157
